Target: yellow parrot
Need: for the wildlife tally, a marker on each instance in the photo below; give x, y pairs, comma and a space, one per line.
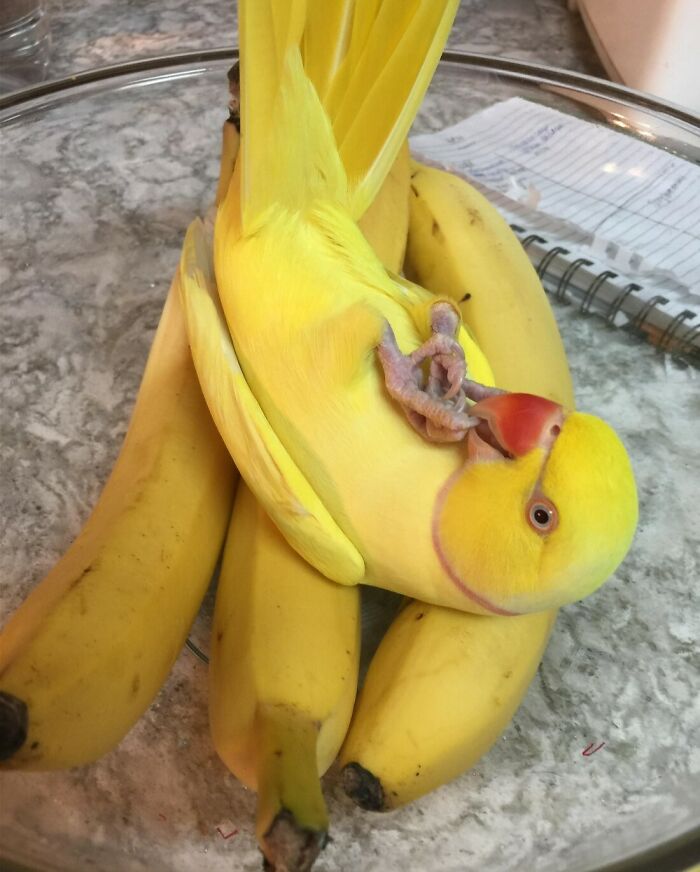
341, 389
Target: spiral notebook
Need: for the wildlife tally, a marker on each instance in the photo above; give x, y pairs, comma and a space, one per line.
609, 222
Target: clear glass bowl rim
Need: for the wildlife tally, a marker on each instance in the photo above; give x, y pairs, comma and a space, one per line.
680, 853
18, 104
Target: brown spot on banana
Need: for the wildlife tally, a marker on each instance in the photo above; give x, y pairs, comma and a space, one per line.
14, 724
76, 581
363, 788
436, 230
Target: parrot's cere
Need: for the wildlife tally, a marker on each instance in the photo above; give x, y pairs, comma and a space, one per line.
399, 406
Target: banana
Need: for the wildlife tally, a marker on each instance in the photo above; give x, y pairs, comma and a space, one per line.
443, 685
459, 245
385, 223
230, 142
283, 677
230, 135
440, 689
84, 655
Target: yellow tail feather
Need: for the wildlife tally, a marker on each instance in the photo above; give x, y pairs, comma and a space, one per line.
373, 73
387, 86
327, 34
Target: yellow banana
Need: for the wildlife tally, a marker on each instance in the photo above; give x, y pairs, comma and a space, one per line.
230, 141
230, 136
283, 677
87, 651
385, 223
459, 245
443, 685
440, 689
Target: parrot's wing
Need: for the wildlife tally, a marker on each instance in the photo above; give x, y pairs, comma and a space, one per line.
262, 460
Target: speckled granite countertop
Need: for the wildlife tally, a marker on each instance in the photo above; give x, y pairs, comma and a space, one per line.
103, 32
95, 198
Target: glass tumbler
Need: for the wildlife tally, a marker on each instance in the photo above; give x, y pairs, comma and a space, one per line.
24, 44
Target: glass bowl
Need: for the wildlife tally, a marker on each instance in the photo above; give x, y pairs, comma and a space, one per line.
101, 174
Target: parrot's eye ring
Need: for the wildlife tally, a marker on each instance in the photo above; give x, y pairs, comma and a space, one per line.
542, 515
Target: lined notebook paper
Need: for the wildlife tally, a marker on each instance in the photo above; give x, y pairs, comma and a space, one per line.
630, 209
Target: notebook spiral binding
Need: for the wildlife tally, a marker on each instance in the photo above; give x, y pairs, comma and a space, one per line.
673, 339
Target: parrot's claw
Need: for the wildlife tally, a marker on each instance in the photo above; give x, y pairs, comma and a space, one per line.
435, 410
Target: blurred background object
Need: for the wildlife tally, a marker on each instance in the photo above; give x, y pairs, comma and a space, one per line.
95, 33
24, 43
651, 45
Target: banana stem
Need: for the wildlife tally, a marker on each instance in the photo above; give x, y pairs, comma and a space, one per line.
230, 141
292, 819
230, 136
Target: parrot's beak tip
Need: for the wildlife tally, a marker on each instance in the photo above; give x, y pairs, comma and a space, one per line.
513, 424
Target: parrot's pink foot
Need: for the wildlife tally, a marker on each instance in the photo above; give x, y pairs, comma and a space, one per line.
435, 409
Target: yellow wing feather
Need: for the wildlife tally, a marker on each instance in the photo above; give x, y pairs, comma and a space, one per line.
280, 486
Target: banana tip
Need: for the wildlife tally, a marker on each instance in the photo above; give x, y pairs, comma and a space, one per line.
287, 845
363, 788
14, 724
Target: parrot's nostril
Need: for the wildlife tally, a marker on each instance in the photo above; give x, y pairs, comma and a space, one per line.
556, 430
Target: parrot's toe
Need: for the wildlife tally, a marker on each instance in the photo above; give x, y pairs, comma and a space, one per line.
436, 408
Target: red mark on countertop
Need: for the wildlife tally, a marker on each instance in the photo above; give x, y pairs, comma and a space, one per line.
589, 749
226, 835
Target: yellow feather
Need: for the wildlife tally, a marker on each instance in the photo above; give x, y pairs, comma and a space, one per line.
280, 486
386, 89
329, 25
590, 475
363, 18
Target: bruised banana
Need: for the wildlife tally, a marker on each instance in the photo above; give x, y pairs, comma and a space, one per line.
443, 685
84, 655
283, 677
460, 245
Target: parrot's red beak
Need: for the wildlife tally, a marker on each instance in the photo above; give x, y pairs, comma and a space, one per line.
514, 424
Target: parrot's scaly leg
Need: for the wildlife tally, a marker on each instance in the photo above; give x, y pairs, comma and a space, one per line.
436, 411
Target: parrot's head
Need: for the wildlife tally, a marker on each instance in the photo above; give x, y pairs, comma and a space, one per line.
543, 510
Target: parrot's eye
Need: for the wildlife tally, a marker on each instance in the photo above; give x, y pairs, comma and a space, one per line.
542, 515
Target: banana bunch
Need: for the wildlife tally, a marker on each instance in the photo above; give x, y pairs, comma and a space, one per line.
85, 654
88, 650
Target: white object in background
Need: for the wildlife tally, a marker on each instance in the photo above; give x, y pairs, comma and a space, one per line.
652, 45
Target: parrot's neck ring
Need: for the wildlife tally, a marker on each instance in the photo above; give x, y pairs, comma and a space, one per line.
476, 598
